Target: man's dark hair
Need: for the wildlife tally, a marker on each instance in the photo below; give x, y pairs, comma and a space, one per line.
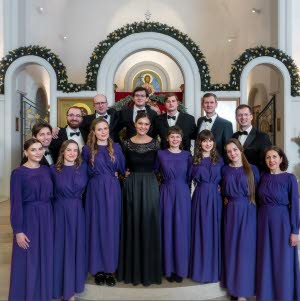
243, 106
140, 89
38, 126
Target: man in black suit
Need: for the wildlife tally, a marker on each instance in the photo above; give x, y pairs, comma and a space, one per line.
220, 127
102, 110
173, 117
253, 141
71, 131
128, 115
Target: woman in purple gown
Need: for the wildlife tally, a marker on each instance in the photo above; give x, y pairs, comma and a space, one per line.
239, 180
277, 272
32, 223
103, 202
69, 177
174, 164
205, 265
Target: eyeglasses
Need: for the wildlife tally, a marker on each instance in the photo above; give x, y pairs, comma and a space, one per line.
140, 95
73, 115
100, 103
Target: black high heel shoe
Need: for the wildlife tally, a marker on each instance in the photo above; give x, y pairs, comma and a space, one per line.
100, 278
110, 280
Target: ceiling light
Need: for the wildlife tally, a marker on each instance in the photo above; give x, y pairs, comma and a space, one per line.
40, 9
230, 39
255, 11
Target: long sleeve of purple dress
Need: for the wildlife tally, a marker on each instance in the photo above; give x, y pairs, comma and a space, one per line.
16, 208
294, 205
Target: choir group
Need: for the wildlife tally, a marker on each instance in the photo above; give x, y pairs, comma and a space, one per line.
126, 213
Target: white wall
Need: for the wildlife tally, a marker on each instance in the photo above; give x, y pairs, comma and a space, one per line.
86, 23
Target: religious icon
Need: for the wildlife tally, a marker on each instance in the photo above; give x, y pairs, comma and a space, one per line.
147, 84
149, 80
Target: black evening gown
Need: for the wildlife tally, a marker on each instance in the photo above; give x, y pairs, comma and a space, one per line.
140, 250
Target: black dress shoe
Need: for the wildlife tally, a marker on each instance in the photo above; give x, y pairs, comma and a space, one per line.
177, 278
100, 278
170, 279
110, 280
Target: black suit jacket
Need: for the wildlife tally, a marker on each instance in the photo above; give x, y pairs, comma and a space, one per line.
55, 145
126, 120
185, 121
254, 146
222, 131
113, 123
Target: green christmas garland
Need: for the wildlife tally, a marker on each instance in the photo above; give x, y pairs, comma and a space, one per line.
103, 47
252, 53
49, 56
137, 27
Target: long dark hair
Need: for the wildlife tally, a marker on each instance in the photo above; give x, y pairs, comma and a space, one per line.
246, 167
198, 152
60, 161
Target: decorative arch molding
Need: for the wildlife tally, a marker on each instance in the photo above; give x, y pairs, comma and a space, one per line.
103, 48
162, 72
160, 42
272, 56
286, 84
39, 52
11, 143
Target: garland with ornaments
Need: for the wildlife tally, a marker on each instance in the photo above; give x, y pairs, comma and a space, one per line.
260, 51
137, 27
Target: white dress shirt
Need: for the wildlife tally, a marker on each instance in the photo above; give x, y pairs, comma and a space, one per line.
171, 121
78, 139
208, 125
106, 114
135, 110
48, 157
242, 138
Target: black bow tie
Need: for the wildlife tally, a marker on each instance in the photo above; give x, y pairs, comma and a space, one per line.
207, 119
74, 133
47, 153
242, 133
172, 117
103, 116
141, 111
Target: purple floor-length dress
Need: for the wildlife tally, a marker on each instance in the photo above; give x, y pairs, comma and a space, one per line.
239, 251
278, 275
31, 213
69, 230
103, 209
205, 265
175, 204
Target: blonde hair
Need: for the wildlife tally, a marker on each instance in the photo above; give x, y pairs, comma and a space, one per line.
247, 169
92, 141
60, 161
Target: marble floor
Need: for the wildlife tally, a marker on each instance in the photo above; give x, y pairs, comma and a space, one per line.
187, 290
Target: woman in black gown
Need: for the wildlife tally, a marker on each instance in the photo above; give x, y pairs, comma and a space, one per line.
140, 253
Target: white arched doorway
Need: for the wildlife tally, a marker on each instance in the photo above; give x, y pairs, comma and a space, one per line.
160, 42
286, 87
11, 144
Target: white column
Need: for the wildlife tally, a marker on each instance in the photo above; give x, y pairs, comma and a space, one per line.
14, 24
